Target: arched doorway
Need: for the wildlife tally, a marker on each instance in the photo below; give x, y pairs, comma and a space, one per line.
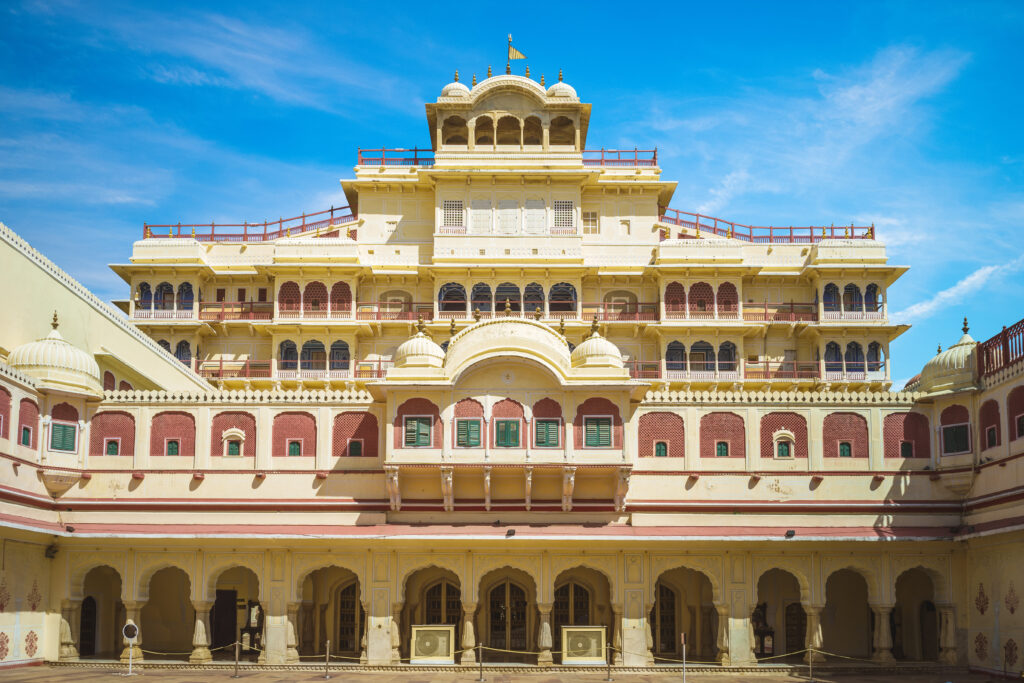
582, 598
683, 603
236, 614
167, 620
779, 620
102, 616
432, 596
914, 619
846, 623
331, 610
508, 618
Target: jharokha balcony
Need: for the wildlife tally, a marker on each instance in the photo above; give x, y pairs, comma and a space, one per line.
758, 371
275, 369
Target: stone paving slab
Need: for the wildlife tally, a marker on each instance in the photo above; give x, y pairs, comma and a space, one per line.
45, 674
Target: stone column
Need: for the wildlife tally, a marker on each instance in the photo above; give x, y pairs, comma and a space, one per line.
291, 655
617, 625
648, 634
396, 634
201, 634
883, 636
132, 611
67, 637
813, 637
76, 622
947, 635
468, 633
722, 641
363, 641
544, 639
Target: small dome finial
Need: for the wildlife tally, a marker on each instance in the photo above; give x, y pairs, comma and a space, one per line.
451, 328
537, 313
561, 326
527, 70
420, 325
474, 79
55, 322
508, 68
508, 307
489, 73
939, 351
593, 327
476, 314
559, 75
965, 327
456, 75
542, 79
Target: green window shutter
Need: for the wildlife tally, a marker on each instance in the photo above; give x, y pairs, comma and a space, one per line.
112, 447
411, 430
423, 434
722, 449
589, 433
597, 432
294, 448
473, 433
62, 437
172, 448
234, 447
513, 434
604, 432
907, 449
462, 433
546, 432
783, 451
845, 450
507, 433
661, 449
1020, 426
26, 436
355, 449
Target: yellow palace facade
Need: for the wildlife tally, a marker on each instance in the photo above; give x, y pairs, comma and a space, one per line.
507, 391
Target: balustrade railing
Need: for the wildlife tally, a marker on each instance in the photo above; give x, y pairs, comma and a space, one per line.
162, 313
252, 232
1001, 350
763, 234
626, 158
780, 312
398, 156
781, 370
236, 310
283, 369
376, 310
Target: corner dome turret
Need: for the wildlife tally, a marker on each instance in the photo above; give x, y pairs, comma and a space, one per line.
951, 369
58, 364
455, 89
596, 351
419, 351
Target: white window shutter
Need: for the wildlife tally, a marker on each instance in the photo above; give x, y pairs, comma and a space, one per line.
480, 216
508, 216
535, 216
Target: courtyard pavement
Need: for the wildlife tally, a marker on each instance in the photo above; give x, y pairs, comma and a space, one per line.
44, 674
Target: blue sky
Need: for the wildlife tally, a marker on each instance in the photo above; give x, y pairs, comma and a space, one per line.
902, 114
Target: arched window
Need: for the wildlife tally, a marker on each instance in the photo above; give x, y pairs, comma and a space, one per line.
571, 608
854, 357
728, 300
562, 132
481, 298
876, 361
533, 133
727, 357
145, 296
185, 296
675, 357
454, 131
341, 299
830, 299
508, 131
507, 291
871, 300
702, 357
851, 298
484, 131
833, 357
288, 356
314, 300
313, 356
163, 299
533, 297
165, 345
451, 298
288, 298
562, 298
183, 352
702, 301
339, 355
675, 300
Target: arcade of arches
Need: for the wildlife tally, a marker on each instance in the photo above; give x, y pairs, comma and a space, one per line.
731, 607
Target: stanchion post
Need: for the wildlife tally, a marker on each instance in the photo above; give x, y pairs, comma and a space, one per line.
608, 660
684, 656
327, 660
480, 658
238, 647
810, 664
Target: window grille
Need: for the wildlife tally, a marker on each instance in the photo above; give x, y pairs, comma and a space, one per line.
508, 216
590, 223
597, 432
546, 433
452, 210
480, 216
535, 215
564, 213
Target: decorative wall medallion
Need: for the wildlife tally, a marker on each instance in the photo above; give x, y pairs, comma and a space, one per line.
5, 595
981, 647
508, 377
31, 643
981, 600
1010, 653
34, 596
1011, 601
5, 643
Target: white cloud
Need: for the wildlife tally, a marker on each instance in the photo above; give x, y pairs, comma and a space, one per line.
969, 286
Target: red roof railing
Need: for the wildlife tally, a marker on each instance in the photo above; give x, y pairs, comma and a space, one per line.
627, 158
763, 234
252, 232
1002, 350
399, 156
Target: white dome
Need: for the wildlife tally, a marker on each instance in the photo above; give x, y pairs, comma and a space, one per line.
419, 351
596, 350
455, 89
561, 89
56, 362
950, 369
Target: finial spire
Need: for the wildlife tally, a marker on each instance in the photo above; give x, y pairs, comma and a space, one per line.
508, 68
537, 313
965, 327
559, 75
593, 326
542, 79
420, 325
489, 74
939, 351
474, 79
456, 75
561, 326
451, 328
527, 70
508, 307
55, 322
476, 314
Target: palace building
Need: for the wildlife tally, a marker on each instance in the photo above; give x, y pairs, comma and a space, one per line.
506, 392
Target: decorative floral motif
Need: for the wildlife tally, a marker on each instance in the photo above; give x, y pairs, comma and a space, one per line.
1010, 653
981, 647
31, 643
5, 643
5, 595
1011, 600
981, 600
34, 596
